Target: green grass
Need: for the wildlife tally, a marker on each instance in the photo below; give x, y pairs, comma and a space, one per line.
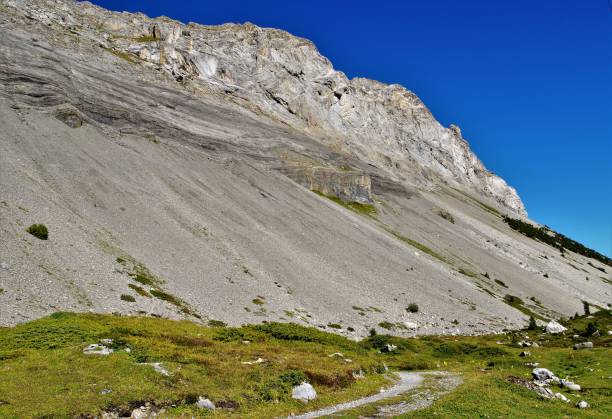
416, 245
363, 209
45, 357
123, 55
517, 303
557, 240
467, 272
39, 231
141, 291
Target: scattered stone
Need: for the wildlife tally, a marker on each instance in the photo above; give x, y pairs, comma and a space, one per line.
203, 403
304, 392
157, 366
257, 361
411, 325
570, 385
106, 341
389, 348
532, 364
525, 353
358, 375
582, 404
106, 391
144, 412
554, 328
523, 344
561, 397
583, 345
609, 332
596, 334
338, 354
97, 349
535, 345
4, 267
576, 336
541, 374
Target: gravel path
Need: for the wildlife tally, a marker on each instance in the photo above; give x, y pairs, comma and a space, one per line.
407, 381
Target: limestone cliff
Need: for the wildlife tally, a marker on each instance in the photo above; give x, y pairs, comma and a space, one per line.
284, 77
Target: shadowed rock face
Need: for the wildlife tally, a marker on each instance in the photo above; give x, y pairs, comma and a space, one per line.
186, 152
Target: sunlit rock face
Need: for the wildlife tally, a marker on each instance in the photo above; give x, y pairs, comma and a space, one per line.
285, 77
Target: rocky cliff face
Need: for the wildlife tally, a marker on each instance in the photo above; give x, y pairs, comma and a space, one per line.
285, 78
186, 152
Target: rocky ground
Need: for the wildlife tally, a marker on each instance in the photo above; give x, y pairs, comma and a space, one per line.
174, 167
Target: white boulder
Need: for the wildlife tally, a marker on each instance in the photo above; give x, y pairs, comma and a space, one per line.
553, 327
203, 403
304, 392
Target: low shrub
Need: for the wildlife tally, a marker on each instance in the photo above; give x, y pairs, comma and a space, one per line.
39, 231
412, 308
128, 298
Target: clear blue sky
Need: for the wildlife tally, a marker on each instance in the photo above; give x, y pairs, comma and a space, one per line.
529, 82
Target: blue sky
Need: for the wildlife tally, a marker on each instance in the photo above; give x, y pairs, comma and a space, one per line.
529, 82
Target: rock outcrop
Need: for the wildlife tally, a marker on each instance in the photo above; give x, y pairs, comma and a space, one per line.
285, 77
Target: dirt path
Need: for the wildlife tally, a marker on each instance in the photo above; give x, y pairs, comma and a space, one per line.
439, 383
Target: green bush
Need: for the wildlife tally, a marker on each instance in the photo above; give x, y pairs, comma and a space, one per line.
412, 308
532, 324
128, 298
39, 231
293, 377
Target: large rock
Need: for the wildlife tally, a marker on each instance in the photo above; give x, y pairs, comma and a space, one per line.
97, 349
553, 327
541, 374
582, 404
205, 404
304, 392
583, 345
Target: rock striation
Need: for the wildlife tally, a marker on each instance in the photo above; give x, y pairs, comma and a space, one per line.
285, 77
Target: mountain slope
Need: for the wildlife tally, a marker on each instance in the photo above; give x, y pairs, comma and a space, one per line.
172, 163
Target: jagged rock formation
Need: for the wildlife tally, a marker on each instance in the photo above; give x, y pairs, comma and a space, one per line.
166, 160
285, 77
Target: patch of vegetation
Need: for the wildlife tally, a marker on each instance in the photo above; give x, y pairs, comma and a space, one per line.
467, 272
123, 55
416, 244
445, 214
45, 357
216, 323
39, 231
387, 325
554, 239
141, 291
532, 324
128, 298
363, 209
334, 325
258, 301
517, 303
412, 308
501, 283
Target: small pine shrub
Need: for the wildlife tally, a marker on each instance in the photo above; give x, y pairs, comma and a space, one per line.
216, 323
532, 324
412, 308
39, 231
128, 298
334, 325
587, 308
